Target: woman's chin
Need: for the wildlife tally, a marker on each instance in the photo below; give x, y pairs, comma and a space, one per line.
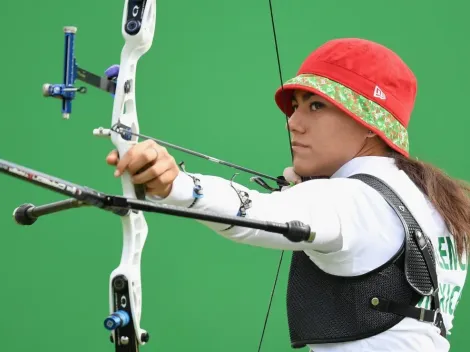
304, 169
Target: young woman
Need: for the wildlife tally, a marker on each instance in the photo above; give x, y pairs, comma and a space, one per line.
387, 265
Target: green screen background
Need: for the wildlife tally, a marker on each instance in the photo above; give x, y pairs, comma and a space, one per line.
207, 83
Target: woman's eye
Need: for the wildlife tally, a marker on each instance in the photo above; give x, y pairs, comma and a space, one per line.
316, 105
313, 106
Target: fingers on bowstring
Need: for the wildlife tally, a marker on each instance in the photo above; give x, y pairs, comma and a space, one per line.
290, 175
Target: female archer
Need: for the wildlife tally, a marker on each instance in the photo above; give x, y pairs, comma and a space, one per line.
387, 265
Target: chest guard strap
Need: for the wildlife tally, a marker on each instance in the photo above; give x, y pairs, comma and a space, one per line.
324, 308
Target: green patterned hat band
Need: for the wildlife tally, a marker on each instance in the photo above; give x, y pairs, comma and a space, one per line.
364, 110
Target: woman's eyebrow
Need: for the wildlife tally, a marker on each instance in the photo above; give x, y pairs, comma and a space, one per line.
305, 96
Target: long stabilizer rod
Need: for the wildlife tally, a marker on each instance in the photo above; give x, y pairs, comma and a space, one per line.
27, 214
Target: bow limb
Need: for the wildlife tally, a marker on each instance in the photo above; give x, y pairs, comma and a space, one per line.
125, 289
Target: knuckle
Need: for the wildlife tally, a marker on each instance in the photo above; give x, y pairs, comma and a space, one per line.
149, 143
165, 164
165, 179
154, 171
163, 151
173, 165
147, 156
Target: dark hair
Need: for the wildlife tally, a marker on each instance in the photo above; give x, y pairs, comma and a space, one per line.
450, 197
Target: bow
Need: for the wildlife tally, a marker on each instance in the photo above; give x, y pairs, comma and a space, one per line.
125, 289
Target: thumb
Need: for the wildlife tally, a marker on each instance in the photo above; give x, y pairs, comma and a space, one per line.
112, 158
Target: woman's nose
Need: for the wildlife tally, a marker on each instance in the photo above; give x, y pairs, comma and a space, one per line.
294, 123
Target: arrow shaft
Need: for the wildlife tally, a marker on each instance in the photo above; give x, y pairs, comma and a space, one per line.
122, 131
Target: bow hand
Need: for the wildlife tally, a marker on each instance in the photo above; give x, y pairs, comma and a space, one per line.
149, 164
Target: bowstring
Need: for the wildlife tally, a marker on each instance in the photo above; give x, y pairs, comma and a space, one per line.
292, 158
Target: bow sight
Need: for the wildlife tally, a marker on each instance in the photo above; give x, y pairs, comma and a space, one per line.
67, 90
133, 15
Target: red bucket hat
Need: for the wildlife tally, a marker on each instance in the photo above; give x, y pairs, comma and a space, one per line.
366, 80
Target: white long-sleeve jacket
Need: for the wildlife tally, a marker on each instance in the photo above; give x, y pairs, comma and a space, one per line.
355, 232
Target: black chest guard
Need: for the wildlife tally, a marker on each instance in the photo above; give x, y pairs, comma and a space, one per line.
324, 308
